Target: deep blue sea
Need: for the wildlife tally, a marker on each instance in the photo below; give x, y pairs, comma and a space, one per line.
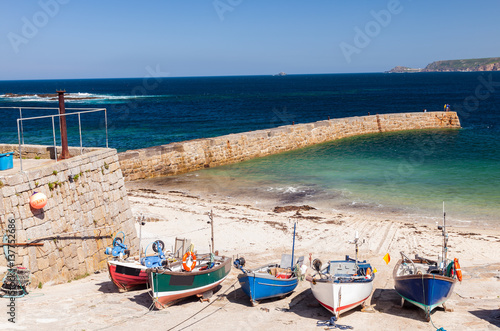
410, 172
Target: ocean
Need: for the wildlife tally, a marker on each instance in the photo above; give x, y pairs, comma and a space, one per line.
404, 172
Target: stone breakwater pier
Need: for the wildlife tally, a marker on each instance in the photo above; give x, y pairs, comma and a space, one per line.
181, 157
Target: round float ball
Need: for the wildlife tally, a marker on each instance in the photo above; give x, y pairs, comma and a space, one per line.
38, 200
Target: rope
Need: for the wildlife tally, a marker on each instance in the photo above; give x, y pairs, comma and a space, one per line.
65, 233
184, 328
187, 319
432, 290
332, 325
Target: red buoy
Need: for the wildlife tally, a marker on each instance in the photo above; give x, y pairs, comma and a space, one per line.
38, 200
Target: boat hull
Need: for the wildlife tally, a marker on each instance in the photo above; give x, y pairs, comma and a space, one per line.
426, 291
343, 285
259, 287
339, 297
127, 275
170, 286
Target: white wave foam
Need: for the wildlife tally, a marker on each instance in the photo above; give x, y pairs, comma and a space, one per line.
78, 97
291, 189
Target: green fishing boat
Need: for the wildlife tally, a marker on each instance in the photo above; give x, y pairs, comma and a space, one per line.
190, 277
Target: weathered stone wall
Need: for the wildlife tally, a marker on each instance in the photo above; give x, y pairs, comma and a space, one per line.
78, 221
40, 151
196, 154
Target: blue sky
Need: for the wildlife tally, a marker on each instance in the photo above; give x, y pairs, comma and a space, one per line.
51, 39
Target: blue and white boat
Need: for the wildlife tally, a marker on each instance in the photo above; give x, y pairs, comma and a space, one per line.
422, 283
426, 283
271, 280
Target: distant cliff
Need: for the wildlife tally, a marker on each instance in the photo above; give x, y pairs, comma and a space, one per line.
486, 64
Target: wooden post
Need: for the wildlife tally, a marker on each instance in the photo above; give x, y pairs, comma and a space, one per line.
211, 215
64, 132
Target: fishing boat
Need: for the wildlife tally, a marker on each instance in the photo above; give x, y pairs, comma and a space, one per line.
343, 284
127, 274
191, 276
271, 280
426, 283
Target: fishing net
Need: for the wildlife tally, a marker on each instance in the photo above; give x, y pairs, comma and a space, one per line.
15, 282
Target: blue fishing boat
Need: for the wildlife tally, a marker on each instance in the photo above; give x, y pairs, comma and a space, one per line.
271, 280
425, 283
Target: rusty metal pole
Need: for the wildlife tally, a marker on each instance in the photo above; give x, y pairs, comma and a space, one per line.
62, 123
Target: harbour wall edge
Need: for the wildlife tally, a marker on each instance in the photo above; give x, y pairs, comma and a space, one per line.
181, 157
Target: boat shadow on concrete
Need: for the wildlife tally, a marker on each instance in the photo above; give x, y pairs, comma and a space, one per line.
140, 295
304, 304
107, 287
490, 315
239, 297
388, 301
385, 301
299, 302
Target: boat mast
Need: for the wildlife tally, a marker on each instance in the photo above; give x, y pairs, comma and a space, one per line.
141, 223
356, 237
211, 216
445, 240
293, 245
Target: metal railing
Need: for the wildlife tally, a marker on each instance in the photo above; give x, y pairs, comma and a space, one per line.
20, 133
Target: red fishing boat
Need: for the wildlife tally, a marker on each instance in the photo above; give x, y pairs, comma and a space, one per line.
127, 274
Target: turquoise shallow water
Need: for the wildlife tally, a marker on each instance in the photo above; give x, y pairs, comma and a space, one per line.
406, 172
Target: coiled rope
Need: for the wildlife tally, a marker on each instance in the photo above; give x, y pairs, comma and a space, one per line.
332, 325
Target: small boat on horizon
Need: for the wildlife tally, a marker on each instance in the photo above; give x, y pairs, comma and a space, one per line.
426, 283
343, 284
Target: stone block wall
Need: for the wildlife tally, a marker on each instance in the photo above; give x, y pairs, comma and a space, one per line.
78, 221
181, 157
41, 151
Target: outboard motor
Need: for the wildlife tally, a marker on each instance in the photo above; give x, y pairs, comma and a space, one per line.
119, 249
317, 265
155, 261
239, 263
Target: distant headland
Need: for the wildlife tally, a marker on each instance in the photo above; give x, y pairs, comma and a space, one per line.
486, 64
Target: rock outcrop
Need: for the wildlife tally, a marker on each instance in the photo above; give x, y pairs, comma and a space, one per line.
486, 64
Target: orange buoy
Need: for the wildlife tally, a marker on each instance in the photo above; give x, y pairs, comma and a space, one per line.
38, 200
189, 255
457, 269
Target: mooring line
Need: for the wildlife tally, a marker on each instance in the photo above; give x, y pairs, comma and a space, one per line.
187, 319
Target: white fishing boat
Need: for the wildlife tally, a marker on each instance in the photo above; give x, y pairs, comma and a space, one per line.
342, 284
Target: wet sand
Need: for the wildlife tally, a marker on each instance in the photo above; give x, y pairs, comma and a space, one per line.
261, 235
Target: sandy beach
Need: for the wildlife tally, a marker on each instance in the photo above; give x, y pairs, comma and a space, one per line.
261, 235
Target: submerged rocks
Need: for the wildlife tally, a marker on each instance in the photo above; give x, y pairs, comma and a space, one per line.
292, 208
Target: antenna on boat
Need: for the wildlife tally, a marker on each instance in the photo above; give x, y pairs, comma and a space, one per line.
355, 242
211, 216
293, 245
141, 223
445, 240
